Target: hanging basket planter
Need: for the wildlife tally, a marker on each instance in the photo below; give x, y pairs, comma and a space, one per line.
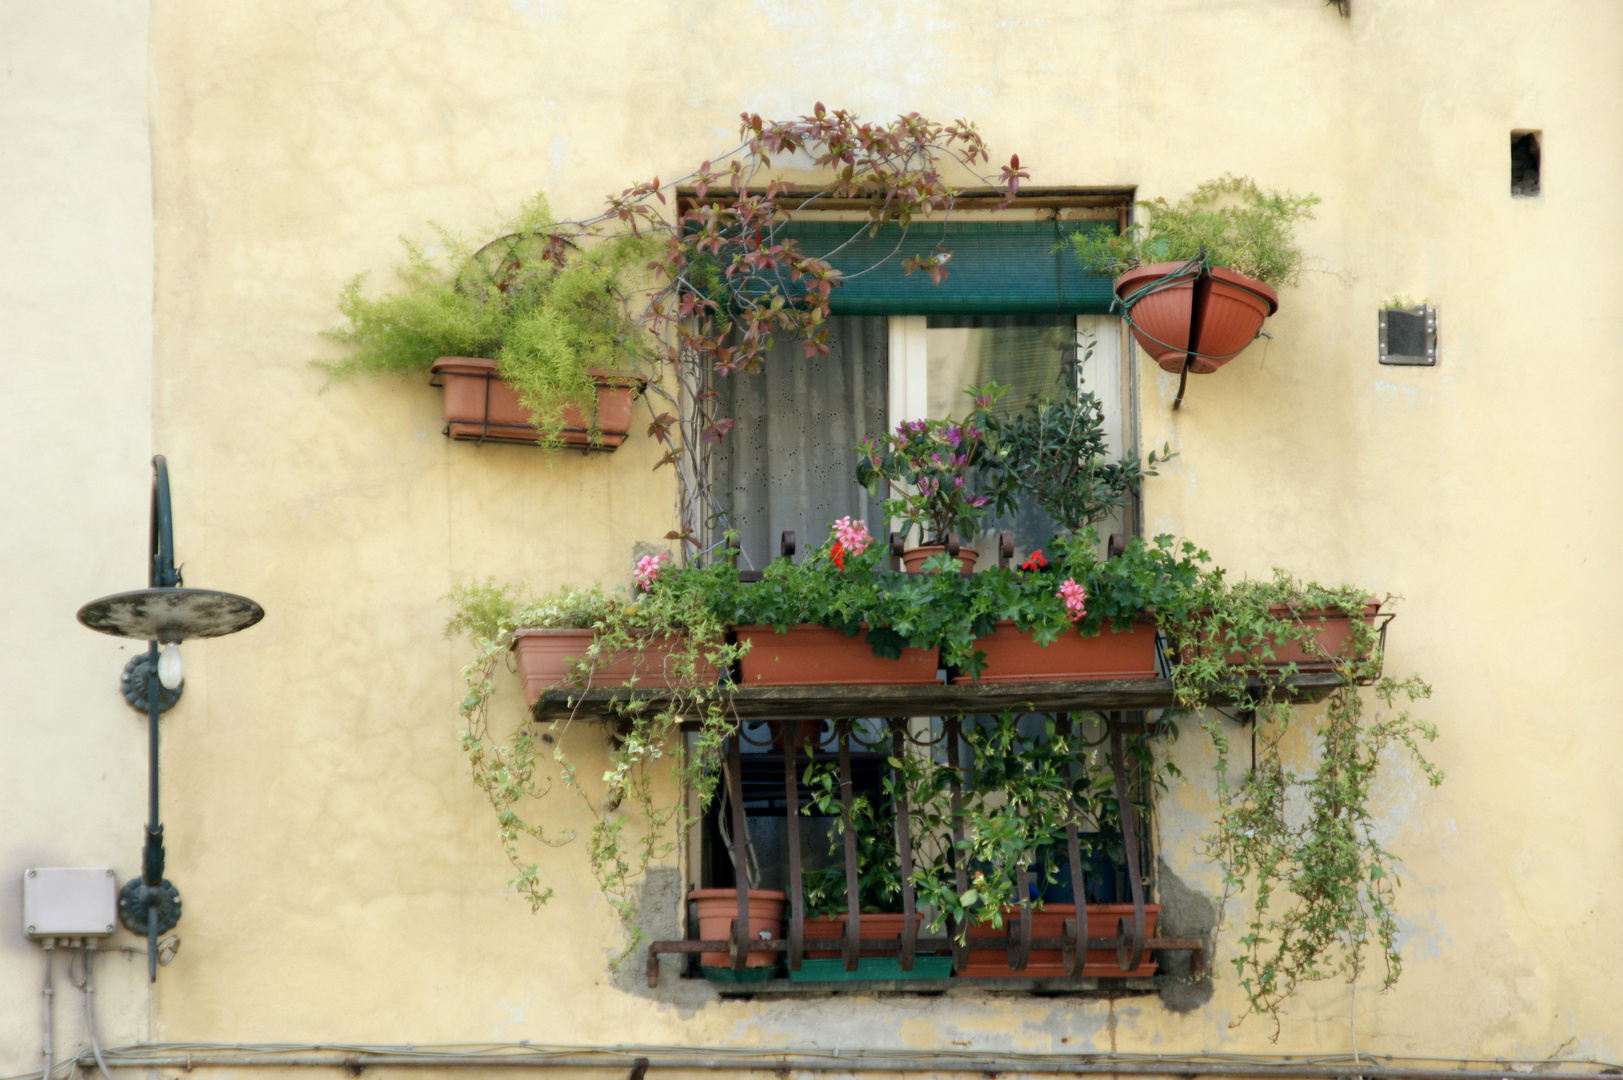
480, 406
1165, 302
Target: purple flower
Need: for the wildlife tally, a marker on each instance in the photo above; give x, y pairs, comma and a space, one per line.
958, 481
953, 436
979, 501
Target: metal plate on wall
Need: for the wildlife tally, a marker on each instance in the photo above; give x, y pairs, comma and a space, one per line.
171, 615
1409, 336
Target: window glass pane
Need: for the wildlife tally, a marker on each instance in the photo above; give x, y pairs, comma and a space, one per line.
1024, 352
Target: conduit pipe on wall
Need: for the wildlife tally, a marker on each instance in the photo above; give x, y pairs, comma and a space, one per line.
846, 1062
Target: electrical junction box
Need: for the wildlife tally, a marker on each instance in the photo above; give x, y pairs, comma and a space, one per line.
69, 902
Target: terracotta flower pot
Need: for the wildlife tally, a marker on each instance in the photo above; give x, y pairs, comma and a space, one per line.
719, 907
1232, 309
1332, 637
823, 656
913, 558
545, 658
1116, 653
881, 924
482, 407
988, 945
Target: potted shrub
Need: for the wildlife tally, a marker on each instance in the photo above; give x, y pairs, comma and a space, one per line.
530, 334
718, 910
1209, 263
805, 625
557, 641
1077, 617
481, 406
925, 466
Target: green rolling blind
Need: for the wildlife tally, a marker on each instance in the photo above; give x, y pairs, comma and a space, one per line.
997, 268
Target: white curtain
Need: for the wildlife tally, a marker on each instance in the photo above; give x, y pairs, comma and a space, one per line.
789, 462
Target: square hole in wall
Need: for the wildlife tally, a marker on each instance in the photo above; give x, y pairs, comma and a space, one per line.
1524, 162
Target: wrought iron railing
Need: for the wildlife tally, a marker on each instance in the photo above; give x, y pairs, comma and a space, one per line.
1128, 937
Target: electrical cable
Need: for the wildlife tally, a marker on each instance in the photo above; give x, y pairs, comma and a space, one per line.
1335, 1066
89, 989
50, 992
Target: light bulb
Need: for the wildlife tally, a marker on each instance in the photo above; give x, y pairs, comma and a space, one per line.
170, 673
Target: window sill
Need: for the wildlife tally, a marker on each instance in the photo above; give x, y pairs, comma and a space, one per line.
1040, 986
933, 699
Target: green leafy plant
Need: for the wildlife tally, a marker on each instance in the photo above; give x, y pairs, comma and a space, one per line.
1401, 302
926, 466
632, 826
549, 313
1055, 453
1321, 885
1231, 219
720, 277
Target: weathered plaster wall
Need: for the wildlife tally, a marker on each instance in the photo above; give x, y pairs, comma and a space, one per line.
341, 878
76, 309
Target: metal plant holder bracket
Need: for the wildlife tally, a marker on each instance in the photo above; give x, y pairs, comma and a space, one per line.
164, 613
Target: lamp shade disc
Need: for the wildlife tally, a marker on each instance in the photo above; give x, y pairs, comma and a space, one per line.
171, 615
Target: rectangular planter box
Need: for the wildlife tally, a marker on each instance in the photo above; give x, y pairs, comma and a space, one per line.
822, 656
872, 969
988, 948
545, 657
1012, 656
1332, 633
881, 924
481, 407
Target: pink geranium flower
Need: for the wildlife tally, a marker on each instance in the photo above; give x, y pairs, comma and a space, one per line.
852, 535
648, 570
1074, 596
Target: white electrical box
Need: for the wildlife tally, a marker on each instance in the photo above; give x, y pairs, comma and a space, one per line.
69, 902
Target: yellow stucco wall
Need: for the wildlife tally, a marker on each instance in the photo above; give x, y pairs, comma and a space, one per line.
341, 878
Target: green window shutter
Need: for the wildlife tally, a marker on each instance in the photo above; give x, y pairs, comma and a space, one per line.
997, 268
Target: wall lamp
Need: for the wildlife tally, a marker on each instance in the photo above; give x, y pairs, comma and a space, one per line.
164, 614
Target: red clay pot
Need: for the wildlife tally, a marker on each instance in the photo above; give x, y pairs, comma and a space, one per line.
823, 656
879, 924
719, 907
988, 946
1013, 657
481, 407
1332, 633
1232, 314
546, 656
913, 558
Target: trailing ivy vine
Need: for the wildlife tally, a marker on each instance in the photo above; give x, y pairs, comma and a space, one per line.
1300, 843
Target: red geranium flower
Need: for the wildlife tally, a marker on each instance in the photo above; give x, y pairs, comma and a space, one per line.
1034, 561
